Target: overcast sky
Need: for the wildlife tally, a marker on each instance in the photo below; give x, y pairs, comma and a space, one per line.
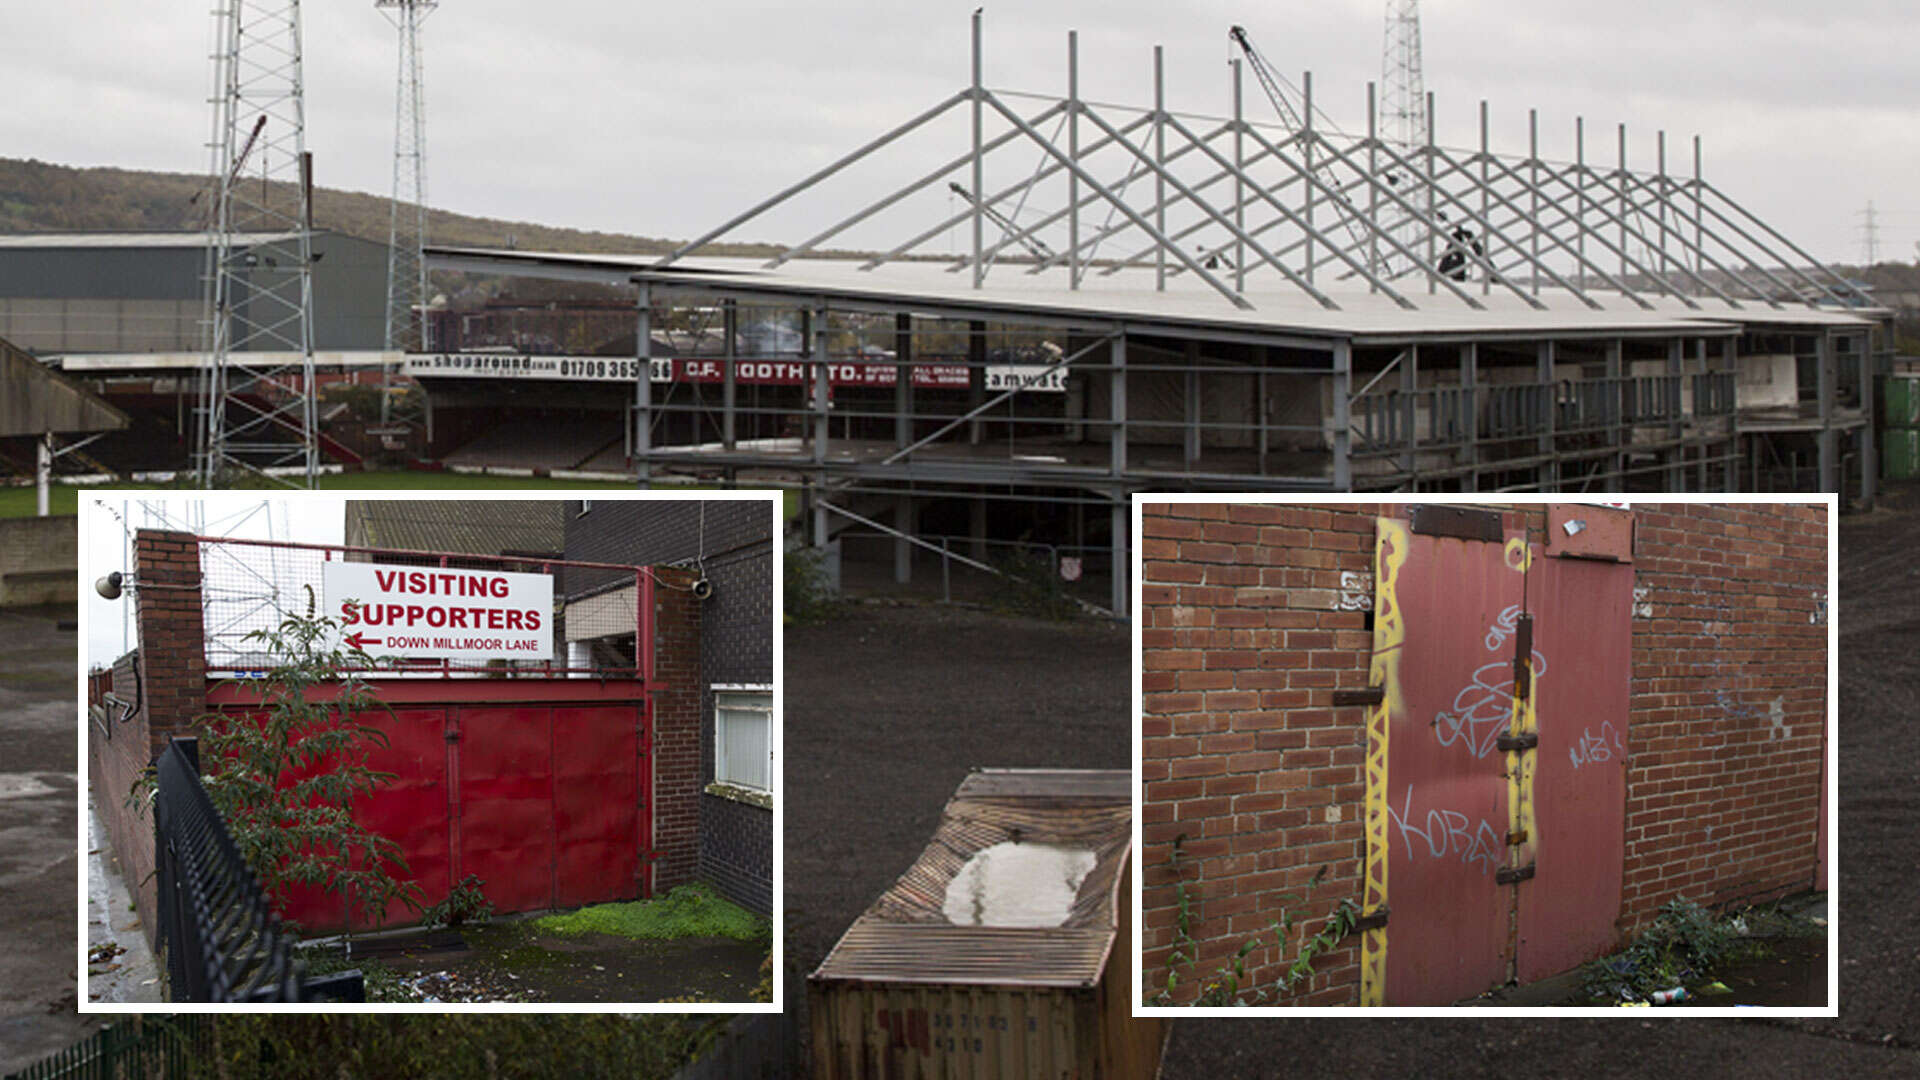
110, 519
666, 119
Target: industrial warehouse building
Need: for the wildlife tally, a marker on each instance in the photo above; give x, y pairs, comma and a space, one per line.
1507, 737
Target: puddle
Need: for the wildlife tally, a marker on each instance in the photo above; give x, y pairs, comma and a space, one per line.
512, 961
1012, 884
1795, 974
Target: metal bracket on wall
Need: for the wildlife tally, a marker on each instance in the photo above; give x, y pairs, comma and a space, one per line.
1508, 875
1455, 521
1372, 920
1373, 695
1525, 741
1522, 652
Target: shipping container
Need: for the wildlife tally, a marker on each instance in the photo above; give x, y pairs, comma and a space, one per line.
1900, 453
1004, 951
1902, 395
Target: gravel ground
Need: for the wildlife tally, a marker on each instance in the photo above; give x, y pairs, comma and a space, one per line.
887, 708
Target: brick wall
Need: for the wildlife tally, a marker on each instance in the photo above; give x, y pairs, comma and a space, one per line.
167, 676
1251, 620
676, 731
1729, 703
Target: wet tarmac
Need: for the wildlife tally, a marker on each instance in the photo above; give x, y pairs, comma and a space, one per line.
39, 860
120, 963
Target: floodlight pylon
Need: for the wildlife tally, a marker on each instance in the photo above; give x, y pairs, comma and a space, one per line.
256, 396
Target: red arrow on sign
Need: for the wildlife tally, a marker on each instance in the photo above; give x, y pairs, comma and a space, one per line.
361, 641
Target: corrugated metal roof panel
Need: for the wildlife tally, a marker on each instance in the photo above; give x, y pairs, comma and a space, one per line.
905, 936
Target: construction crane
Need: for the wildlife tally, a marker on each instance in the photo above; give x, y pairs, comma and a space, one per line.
1270, 82
1039, 250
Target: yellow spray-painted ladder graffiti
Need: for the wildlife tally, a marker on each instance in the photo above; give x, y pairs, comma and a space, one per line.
1391, 539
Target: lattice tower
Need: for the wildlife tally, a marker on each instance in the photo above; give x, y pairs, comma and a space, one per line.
1403, 120
256, 405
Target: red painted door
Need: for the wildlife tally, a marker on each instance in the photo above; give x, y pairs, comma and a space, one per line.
1583, 628
1460, 812
503, 807
1446, 796
597, 804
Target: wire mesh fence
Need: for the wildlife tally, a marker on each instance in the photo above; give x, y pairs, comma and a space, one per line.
424, 612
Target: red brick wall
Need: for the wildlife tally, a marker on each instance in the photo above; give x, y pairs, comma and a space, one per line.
170, 684
1730, 620
1248, 628
676, 730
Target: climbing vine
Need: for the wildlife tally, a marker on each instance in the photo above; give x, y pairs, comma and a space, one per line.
1225, 985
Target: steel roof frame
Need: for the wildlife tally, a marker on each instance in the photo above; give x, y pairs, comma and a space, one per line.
1549, 211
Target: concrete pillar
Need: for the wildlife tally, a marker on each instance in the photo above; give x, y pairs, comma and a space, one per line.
1825, 370
902, 550
1677, 426
730, 327
1122, 515
1191, 442
822, 390
1342, 416
43, 473
1869, 463
1470, 384
976, 376
1117, 404
1544, 360
640, 445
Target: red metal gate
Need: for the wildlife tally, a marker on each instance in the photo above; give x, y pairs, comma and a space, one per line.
1496, 856
541, 787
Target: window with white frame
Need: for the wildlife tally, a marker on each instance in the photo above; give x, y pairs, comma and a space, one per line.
743, 737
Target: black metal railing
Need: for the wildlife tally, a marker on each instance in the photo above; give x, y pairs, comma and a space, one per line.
222, 940
141, 1046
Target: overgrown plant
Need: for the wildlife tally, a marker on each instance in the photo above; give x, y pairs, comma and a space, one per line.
284, 774
1223, 987
466, 903
1030, 585
806, 594
1684, 945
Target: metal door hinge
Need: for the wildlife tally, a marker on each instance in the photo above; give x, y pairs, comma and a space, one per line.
1372, 920
1508, 875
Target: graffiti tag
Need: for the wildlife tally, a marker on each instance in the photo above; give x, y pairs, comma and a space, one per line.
1591, 749
1448, 833
1482, 707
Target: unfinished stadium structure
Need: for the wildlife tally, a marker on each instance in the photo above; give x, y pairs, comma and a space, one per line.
1152, 300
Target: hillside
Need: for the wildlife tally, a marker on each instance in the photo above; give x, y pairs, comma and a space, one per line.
36, 196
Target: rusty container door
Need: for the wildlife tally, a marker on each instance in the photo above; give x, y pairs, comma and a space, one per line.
1457, 602
504, 817
1584, 635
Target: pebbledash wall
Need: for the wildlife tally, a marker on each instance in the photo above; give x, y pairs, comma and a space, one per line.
165, 683
1254, 615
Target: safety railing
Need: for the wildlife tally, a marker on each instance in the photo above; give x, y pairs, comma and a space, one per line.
222, 940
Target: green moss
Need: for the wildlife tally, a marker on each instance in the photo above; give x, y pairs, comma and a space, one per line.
688, 911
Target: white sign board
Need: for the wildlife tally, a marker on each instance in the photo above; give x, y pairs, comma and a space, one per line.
441, 614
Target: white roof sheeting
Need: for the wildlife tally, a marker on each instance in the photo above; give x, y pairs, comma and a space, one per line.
1130, 296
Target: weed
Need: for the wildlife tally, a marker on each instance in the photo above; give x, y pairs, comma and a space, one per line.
1029, 585
807, 595
465, 903
1684, 945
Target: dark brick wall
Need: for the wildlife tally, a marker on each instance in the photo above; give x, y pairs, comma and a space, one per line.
733, 540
